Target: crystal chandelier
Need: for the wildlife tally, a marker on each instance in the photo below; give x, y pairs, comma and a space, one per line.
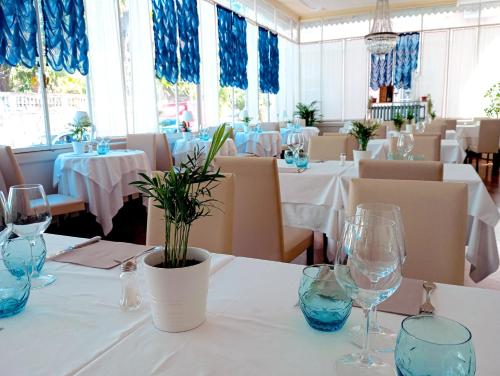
381, 39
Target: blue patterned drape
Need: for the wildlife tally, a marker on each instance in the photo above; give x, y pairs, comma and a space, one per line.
233, 57
381, 71
268, 62
18, 30
188, 22
66, 43
406, 56
165, 35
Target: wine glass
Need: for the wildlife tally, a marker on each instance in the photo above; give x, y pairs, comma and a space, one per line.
30, 216
382, 339
368, 268
295, 141
405, 144
5, 224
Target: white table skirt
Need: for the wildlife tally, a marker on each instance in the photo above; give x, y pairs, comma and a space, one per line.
316, 198
451, 151
308, 132
182, 148
265, 144
100, 180
253, 327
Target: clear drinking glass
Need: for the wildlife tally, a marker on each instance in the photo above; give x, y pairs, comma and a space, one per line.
5, 222
295, 141
382, 339
30, 215
368, 268
405, 144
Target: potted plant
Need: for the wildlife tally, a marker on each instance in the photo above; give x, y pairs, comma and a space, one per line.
308, 112
398, 121
363, 133
493, 94
410, 116
430, 108
178, 277
79, 128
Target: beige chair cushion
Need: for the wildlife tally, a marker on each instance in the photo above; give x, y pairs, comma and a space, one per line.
401, 170
145, 142
213, 233
437, 129
9, 167
258, 223
435, 221
352, 143
296, 240
428, 145
327, 147
61, 204
164, 160
489, 134
451, 124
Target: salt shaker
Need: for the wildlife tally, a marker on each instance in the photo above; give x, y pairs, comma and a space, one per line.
131, 295
343, 157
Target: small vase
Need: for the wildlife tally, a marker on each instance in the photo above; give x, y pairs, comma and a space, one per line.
178, 296
361, 154
78, 147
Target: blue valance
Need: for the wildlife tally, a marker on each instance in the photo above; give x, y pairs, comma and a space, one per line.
188, 22
165, 36
18, 30
233, 56
66, 43
406, 55
381, 70
268, 62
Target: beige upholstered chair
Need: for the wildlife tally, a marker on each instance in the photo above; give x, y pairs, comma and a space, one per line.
389, 124
59, 204
489, 134
437, 129
381, 132
164, 160
327, 147
258, 222
352, 143
393, 145
272, 126
428, 145
435, 221
3, 185
145, 142
213, 233
401, 170
451, 124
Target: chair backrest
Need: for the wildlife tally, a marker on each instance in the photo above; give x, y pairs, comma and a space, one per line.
10, 168
272, 126
3, 185
428, 145
164, 160
434, 217
327, 147
489, 133
258, 222
213, 233
145, 142
401, 170
381, 132
389, 124
451, 124
352, 143
438, 129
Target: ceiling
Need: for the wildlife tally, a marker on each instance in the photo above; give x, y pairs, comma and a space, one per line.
306, 9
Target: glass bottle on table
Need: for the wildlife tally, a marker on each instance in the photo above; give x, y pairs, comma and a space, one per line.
131, 298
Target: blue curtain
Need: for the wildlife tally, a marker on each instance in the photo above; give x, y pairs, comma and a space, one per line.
381, 71
406, 56
18, 33
188, 22
66, 43
165, 35
233, 57
268, 62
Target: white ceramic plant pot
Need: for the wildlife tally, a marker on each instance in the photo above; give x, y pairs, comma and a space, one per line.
178, 296
78, 147
358, 155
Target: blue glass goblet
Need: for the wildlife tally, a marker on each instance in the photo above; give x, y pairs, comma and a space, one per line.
289, 157
302, 159
323, 302
14, 286
20, 248
434, 346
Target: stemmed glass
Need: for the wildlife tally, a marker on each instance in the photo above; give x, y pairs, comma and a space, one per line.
295, 142
30, 216
382, 339
368, 268
5, 224
405, 144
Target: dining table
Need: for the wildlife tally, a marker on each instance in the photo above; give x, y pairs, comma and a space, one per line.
101, 181
262, 144
253, 325
184, 147
316, 199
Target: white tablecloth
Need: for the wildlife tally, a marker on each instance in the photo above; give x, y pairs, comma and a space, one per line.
265, 144
182, 148
100, 180
308, 132
451, 151
253, 327
316, 198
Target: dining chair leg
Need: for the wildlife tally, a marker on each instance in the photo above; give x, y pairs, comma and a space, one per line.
310, 255
477, 162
